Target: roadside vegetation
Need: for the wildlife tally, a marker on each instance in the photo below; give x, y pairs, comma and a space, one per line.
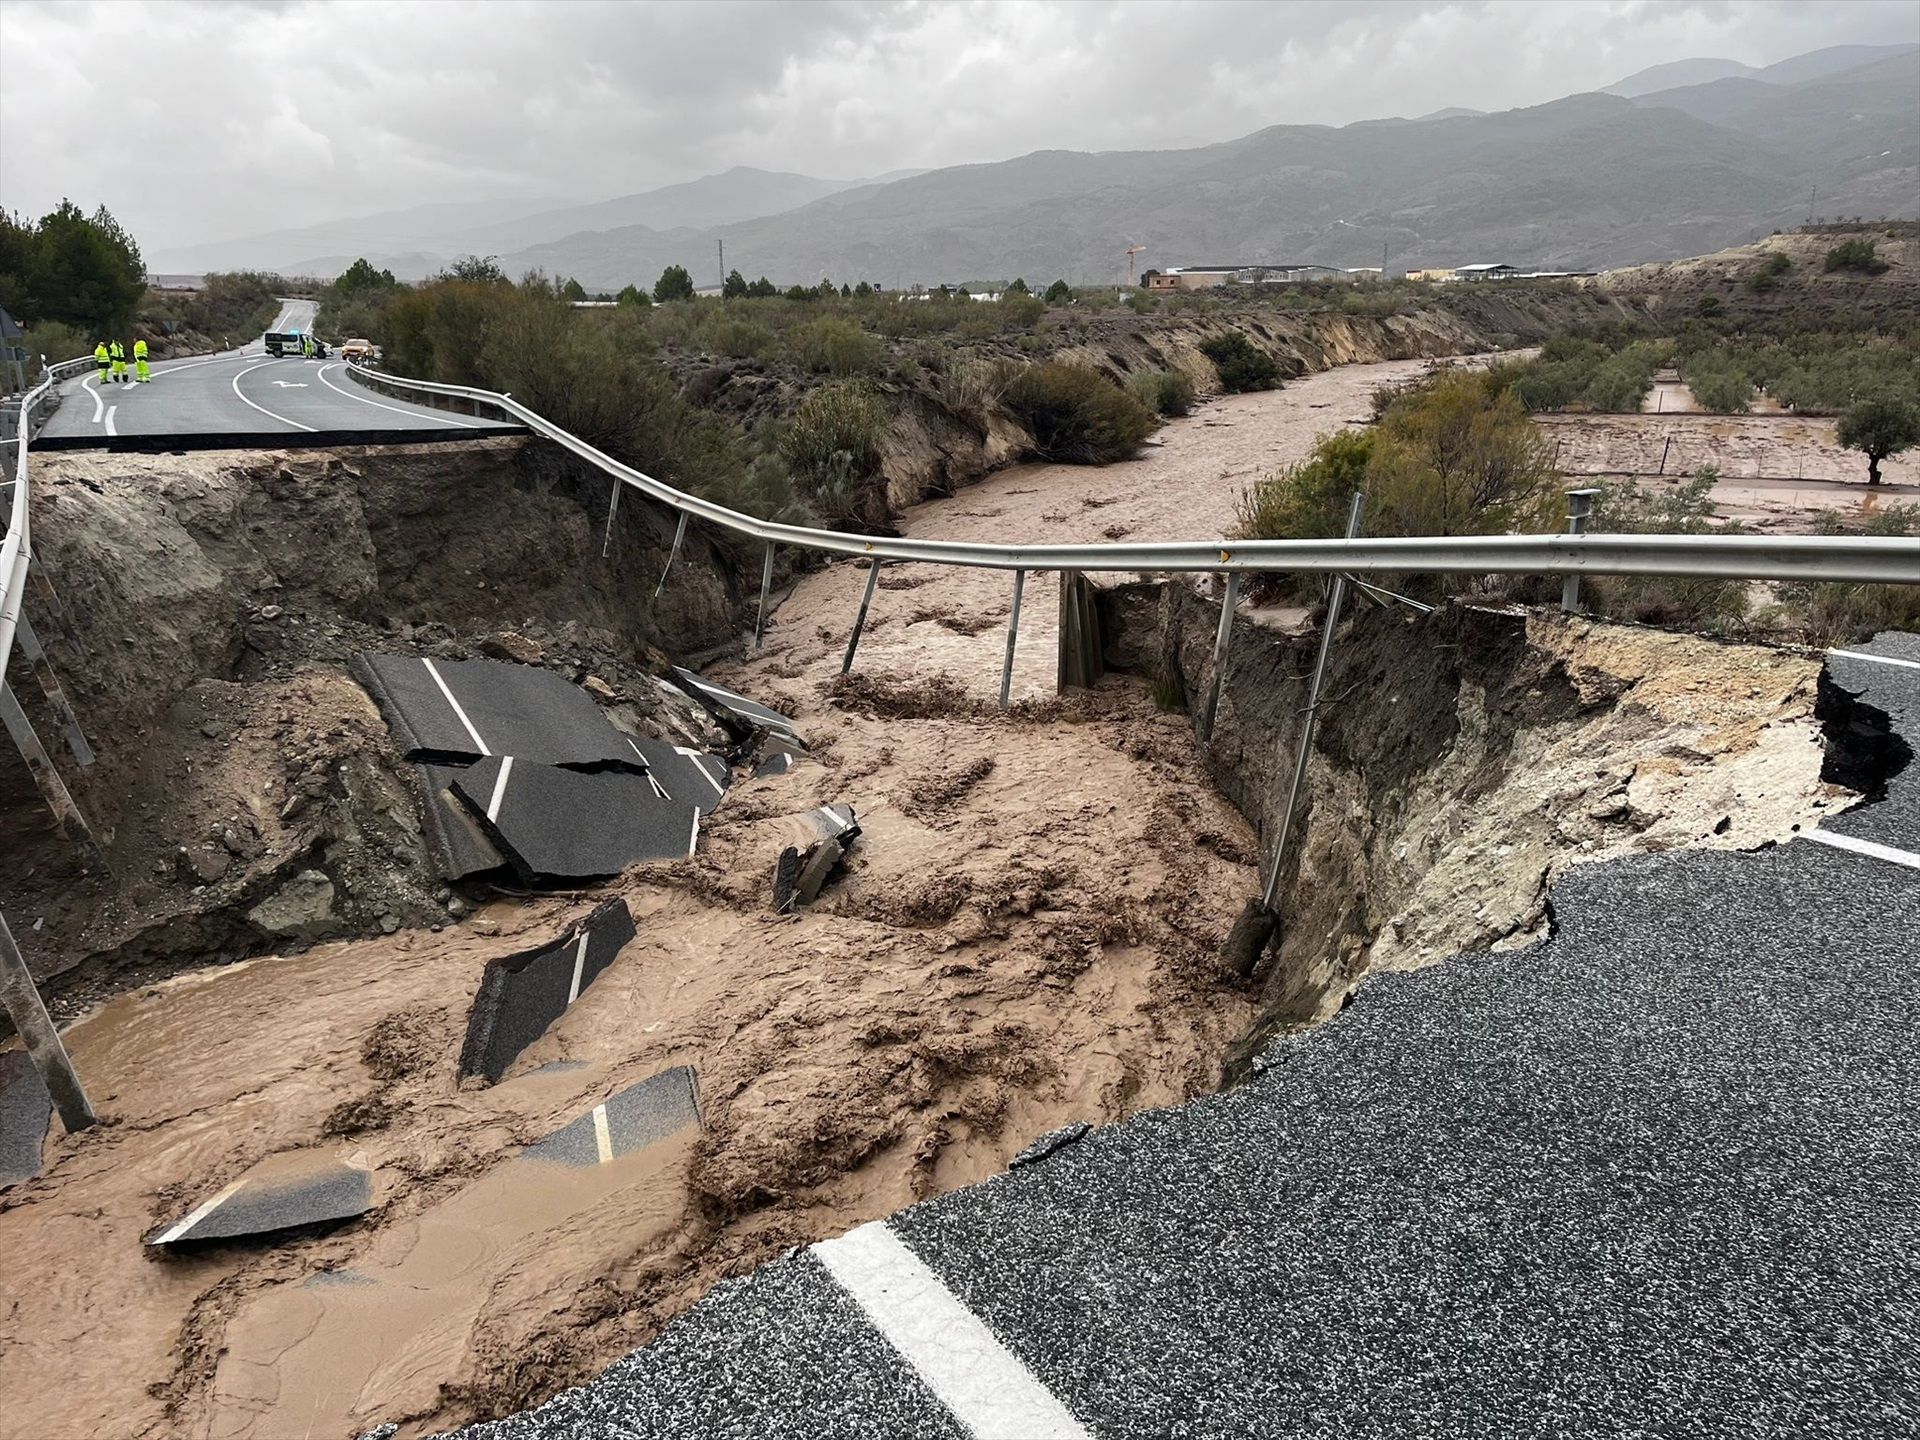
69, 279
1571, 373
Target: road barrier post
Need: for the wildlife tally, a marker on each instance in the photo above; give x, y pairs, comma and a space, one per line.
29, 1015
766, 587
1013, 634
1220, 639
55, 693
613, 508
860, 619
52, 788
1579, 507
679, 538
1335, 603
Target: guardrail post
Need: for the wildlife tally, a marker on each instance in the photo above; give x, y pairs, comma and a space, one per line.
29, 1015
766, 587
613, 508
56, 694
1013, 635
679, 536
860, 618
52, 788
1579, 507
1220, 639
1335, 603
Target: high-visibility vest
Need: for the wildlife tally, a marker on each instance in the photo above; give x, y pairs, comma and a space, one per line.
139, 349
115, 351
100, 356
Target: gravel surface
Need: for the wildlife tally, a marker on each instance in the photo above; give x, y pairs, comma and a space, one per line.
1654, 1175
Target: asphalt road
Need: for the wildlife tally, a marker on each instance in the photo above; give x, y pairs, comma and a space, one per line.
245, 394
1657, 1175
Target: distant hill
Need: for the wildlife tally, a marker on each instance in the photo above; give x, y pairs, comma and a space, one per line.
1676, 73
1798, 70
1585, 182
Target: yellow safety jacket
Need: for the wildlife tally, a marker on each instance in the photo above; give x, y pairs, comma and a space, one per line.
139, 349
100, 356
116, 351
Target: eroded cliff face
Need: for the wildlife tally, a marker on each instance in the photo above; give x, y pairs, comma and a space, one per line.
1465, 758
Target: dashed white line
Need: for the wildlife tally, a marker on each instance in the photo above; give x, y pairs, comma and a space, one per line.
500, 793
196, 1215
434, 671
699, 760
1876, 659
602, 1138
991, 1394
261, 408
110, 414
415, 414
1864, 847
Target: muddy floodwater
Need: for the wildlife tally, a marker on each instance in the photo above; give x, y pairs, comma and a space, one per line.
1025, 937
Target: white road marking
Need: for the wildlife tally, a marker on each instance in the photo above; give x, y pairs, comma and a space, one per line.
991, 1394
199, 1213
602, 1140
699, 759
291, 384
693, 837
434, 671
416, 414
579, 964
261, 408
111, 409
499, 794
92, 388
1864, 847
1876, 659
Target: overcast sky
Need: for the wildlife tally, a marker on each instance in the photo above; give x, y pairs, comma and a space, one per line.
201, 121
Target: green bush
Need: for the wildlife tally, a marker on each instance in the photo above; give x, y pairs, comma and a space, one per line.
1076, 414
1308, 500
742, 339
674, 284
1059, 293
56, 340
1162, 392
833, 449
835, 346
1241, 364
1683, 509
1831, 613
1577, 374
1858, 254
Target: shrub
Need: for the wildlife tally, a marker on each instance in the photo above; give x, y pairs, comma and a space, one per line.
1162, 392
1241, 364
835, 346
742, 339
1708, 307
833, 448
1059, 293
1076, 414
1683, 509
1858, 254
1577, 374
1832, 613
57, 341
1308, 500
1879, 428
634, 297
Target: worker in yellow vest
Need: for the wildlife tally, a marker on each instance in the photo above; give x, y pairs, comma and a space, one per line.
119, 354
103, 360
140, 371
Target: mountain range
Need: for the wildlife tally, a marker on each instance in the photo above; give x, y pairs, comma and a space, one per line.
1677, 160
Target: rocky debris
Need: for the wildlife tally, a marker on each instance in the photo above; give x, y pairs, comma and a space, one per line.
511, 645
302, 909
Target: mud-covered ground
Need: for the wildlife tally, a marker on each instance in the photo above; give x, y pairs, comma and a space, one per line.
1026, 936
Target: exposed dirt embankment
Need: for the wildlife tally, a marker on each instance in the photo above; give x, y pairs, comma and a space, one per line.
1464, 758
245, 790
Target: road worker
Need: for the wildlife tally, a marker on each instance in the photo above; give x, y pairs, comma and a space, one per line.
306, 345
101, 358
140, 371
118, 352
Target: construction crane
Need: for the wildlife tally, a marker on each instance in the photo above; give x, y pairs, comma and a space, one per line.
1132, 250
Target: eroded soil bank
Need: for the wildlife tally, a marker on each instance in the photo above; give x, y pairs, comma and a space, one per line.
1026, 936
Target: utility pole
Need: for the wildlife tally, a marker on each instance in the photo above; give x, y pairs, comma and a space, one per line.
1810, 195
723, 263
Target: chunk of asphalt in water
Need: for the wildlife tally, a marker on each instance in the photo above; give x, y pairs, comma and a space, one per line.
520, 995
283, 1192
558, 824
465, 710
25, 1109
736, 714
802, 870
1048, 1143
659, 1106
459, 846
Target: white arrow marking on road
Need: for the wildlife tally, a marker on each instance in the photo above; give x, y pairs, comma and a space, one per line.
291, 384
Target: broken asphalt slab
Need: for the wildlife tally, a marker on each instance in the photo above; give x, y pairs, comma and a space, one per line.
802, 868
25, 1110
691, 776
737, 715
1870, 701
556, 824
459, 845
521, 995
659, 1106
283, 1192
465, 710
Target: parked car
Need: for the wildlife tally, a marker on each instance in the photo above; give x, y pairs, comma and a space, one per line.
359, 350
